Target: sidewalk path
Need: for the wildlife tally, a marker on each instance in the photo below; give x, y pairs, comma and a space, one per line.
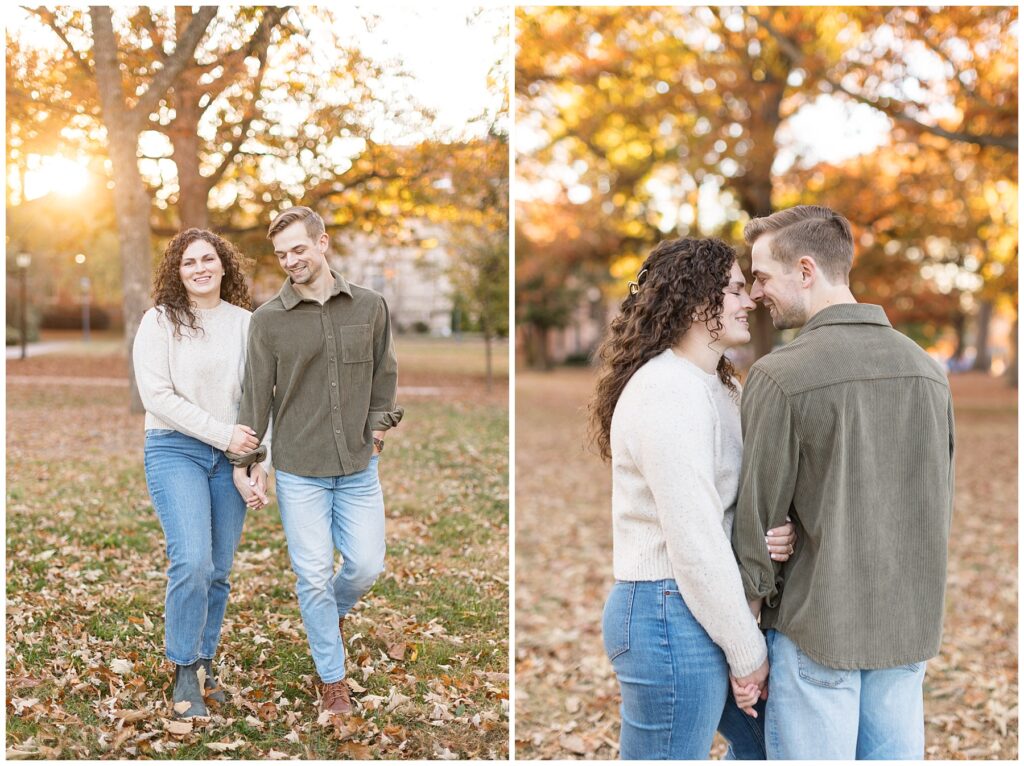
70, 380
38, 349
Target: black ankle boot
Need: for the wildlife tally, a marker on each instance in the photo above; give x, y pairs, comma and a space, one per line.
186, 689
214, 690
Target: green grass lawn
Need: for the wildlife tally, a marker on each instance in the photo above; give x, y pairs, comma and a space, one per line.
427, 648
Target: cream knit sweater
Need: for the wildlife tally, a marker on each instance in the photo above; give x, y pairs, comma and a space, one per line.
193, 384
676, 453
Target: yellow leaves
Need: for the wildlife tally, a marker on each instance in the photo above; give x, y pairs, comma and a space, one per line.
626, 267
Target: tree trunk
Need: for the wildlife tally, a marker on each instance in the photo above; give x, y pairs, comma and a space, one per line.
960, 327
537, 356
485, 325
131, 202
983, 359
193, 190
755, 190
489, 351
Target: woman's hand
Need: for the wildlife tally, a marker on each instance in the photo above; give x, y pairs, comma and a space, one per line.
781, 541
243, 439
746, 696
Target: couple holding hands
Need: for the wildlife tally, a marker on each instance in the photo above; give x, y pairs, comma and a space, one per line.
318, 361
780, 556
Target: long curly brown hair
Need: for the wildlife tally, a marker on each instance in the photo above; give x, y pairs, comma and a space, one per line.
682, 281
169, 291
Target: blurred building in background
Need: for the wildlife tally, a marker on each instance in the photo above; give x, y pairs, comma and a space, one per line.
412, 275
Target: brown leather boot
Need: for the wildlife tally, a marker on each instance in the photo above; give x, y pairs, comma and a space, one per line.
335, 698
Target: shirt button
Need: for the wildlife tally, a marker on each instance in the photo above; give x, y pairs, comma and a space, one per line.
330, 336
333, 383
332, 358
337, 430
335, 406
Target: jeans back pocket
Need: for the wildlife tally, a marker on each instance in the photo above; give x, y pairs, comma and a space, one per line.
818, 674
615, 621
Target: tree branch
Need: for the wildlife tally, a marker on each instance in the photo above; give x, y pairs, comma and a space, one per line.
176, 62
898, 114
258, 45
49, 18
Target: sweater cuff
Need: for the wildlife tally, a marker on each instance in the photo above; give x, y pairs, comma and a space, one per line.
221, 437
745, 658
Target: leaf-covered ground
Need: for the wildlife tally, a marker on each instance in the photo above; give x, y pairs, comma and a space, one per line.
428, 647
566, 696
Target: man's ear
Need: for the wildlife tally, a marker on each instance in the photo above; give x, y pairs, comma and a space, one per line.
808, 270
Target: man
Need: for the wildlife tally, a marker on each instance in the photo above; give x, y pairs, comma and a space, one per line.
849, 430
321, 358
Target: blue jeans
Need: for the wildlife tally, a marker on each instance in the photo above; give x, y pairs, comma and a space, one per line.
202, 515
320, 515
674, 679
818, 712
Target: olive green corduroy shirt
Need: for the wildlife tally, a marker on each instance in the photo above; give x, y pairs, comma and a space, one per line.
329, 374
849, 430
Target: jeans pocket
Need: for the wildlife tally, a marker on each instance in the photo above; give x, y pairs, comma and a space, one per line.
615, 621
818, 674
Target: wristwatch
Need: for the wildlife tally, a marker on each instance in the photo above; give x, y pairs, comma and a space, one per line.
379, 444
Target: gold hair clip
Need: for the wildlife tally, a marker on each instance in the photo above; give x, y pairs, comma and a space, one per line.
634, 287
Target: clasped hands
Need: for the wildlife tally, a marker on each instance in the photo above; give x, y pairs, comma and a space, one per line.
252, 488
748, 689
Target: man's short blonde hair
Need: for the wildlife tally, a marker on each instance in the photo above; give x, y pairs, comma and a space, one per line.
812, 230
310, 218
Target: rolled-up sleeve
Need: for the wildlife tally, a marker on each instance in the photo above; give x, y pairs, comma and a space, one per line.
384, 412
771, 452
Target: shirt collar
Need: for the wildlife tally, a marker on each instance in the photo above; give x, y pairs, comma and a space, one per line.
847, 313
290, 298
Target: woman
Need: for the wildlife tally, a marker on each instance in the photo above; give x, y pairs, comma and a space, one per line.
189, 358
665, 412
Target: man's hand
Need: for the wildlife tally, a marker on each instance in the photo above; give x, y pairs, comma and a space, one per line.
258, 482
378, 435
252, 489
243, 439
741, 688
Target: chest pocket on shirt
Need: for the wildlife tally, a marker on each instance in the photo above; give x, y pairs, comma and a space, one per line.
356, 344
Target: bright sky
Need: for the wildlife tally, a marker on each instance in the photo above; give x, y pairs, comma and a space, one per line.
447, 51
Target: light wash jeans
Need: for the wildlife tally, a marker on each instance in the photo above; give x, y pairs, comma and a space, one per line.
320, 515
674, 679
821, 713
202, 515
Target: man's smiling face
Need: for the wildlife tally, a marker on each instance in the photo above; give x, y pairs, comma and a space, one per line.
777, 286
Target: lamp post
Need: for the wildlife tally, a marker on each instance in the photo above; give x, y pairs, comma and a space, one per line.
24, 260
85, 283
